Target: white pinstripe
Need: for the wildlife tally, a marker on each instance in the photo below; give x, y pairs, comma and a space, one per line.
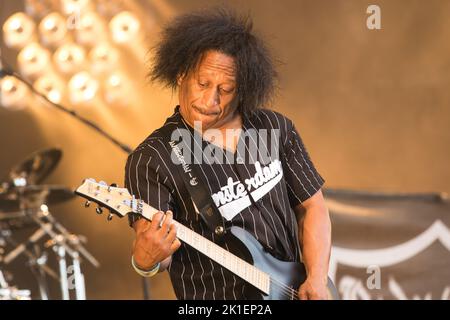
303, 171
234, 277
298, 179
288, 209
129, 174
304, 160
253, 161
279, 185
192, 275
146, 177
182, 275
210, 189
270, 197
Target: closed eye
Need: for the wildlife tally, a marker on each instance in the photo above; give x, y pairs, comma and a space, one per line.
227, 91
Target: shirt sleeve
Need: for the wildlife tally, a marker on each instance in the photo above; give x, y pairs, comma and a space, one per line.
302, 178
145, 179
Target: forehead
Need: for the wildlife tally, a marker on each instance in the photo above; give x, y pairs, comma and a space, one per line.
217, 62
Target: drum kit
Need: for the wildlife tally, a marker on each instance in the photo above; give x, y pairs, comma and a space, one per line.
24, 204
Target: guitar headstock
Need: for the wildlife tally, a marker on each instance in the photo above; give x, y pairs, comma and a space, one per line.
118, 200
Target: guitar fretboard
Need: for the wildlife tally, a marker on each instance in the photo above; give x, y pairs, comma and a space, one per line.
238, 266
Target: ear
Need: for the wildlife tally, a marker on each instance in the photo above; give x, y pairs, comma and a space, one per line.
180, 79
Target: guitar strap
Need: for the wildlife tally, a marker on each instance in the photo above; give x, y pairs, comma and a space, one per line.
194, 184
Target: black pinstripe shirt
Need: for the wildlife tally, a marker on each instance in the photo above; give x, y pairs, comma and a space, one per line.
266, 210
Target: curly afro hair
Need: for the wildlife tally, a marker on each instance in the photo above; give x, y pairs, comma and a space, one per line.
188, 37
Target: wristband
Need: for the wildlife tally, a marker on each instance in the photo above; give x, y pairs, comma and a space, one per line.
145, 273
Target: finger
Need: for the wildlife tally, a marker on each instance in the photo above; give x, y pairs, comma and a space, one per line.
141, 225
302, 294
172, 235
156, 220
175, 245
166, 223
313, 296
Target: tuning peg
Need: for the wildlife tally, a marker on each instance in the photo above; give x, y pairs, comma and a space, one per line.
87, 204
99, 210
110, 216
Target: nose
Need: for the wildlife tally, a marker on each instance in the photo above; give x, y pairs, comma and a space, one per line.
211, 97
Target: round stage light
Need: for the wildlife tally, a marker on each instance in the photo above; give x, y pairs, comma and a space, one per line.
124, 27
90, 29
69, 58
50, 86
74, 6
115, 89
103, 58
33, 60
53, 29
18, 30
14, 94
82, 88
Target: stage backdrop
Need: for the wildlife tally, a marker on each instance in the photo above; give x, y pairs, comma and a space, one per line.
390, 246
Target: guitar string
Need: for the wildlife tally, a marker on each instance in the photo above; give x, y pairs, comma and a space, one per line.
281, 286
288, 291
292, 292
285, 289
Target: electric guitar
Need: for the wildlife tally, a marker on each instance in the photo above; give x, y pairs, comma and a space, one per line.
273, 279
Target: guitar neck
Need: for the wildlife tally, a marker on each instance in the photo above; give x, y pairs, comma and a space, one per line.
238, 266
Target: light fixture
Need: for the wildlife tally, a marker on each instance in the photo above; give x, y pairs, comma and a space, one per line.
124, 27
69, 58
50, 86
33, 60
82, 88
90, 29
14, 94
69, 7
53, 29
18, 30
115, 88
38, 8
103, 58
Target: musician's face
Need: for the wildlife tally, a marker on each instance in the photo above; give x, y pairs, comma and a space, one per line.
208, 93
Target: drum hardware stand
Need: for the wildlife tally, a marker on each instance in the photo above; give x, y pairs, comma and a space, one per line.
3, 283
12, 292
37, 262
7, 70
60, 244
72, 239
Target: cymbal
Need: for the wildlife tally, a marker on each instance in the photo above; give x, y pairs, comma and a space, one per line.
33, 196
36, 168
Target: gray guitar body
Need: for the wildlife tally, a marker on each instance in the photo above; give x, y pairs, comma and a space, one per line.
282, 273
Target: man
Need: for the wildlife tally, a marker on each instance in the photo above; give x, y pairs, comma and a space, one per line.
224, 76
